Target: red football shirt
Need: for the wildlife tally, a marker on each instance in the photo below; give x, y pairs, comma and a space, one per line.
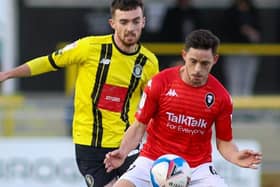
180, 117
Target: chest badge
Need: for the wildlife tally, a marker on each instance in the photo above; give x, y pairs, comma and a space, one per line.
137, 70
209, 99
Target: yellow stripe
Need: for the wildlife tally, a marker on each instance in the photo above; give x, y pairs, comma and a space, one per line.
260, 49
224, 49
257, 102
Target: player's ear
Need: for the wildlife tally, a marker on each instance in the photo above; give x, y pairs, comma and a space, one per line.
216, 57
184, 53
144, 22
111, 23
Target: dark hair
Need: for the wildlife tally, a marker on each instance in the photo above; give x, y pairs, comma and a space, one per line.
202, 39
126, 5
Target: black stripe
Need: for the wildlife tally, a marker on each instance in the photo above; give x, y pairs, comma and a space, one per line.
101, 75
95, 95
104, 77
134, 81
51, 60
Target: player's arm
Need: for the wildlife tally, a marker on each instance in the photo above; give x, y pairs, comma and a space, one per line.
33, 67
20, 71
244, 158
131, 140
133, 137
73, 53
134, 134
224, 139
227, 149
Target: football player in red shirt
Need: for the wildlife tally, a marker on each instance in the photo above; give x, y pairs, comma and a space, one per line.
178, 109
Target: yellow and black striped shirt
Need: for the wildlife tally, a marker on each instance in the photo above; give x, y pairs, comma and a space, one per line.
108, 87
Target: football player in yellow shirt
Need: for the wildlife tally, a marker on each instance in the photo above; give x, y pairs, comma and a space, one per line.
112, 72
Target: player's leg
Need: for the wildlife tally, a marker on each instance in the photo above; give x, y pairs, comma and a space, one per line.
138, 174
206, 175
90, 163
124, 183
111, 184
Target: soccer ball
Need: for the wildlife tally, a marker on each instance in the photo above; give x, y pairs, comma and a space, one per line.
170, 170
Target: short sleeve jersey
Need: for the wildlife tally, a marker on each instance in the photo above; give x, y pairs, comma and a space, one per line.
180, 117
108, 87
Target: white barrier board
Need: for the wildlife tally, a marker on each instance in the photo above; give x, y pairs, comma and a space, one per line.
38, 162
234, 175
50, 162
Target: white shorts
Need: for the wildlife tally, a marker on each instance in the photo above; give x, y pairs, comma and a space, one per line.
204, 175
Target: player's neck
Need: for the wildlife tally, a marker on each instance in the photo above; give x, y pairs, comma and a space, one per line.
187, 79
130, 49
126, 48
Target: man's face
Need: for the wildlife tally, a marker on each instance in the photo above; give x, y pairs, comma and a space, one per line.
198, 64
128, 26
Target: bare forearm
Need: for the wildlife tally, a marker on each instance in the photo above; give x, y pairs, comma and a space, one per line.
20, 71
33, 67
132, 137
228, 150
246, 158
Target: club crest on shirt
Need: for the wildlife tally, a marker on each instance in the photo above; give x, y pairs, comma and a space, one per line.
137, 70
209, 99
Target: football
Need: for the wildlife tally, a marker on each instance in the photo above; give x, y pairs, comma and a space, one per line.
170, 170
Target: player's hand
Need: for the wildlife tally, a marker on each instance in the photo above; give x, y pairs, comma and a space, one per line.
249, 159
3, 76
114, 160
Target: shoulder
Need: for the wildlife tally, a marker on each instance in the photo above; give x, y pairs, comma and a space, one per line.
216, 84
100, 39
167, 75
89, 43
149, 54
161, 81
219, 89
170, 71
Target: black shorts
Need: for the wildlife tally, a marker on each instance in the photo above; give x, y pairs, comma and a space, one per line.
90, 163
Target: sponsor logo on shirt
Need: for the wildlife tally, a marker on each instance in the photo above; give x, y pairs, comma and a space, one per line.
186, 120
171, 93
112, 98
186, 124
105, 61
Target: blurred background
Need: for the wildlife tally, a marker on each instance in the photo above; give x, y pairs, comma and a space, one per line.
39, 109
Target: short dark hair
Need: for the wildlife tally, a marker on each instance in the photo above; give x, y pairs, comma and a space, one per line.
202, 39
126, 5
